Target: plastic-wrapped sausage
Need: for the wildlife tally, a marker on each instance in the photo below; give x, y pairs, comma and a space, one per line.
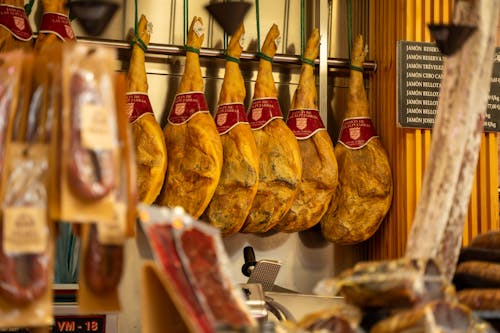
90, 171
103, 264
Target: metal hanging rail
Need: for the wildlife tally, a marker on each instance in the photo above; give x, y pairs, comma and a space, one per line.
176, 50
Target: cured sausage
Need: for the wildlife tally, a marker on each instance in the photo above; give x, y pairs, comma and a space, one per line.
487, 240
103, 264
24, 277
90, 172
433, 317
441, 210
480, 299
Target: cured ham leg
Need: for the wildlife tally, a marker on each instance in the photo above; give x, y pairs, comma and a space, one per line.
280, 165
319, 165
237, 187
364, 194
149, 142
55, 27
194, 146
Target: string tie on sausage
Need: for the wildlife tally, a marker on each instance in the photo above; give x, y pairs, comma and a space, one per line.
264, 57
233, 59
307, 61
192, 49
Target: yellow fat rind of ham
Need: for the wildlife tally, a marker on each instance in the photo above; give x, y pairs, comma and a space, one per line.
7, 41
149, 142
238, 183
319, 165
280, 165
194, 148
365, 189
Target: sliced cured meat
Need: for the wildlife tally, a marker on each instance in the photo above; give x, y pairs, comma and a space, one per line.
319, 165
365, 189
237, 186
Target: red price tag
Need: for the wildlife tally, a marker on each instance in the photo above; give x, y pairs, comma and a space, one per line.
79, 324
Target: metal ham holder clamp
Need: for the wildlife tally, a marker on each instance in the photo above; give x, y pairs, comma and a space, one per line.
261, 277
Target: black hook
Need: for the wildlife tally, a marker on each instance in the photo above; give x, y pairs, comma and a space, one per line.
450, 37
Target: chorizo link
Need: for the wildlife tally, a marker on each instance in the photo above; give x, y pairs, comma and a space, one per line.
103, 264
23, 277
90, 172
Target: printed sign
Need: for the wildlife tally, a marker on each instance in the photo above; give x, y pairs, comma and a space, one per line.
186, 105
304, 123
229, 115
262, 111
419, 72
355, 133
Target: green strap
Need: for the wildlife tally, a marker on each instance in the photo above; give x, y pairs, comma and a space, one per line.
307, 61
137, 40
264, 57
356, 68
28, 7
192, 49
186, 18
257, 18
302, 27
349, 27
233, 59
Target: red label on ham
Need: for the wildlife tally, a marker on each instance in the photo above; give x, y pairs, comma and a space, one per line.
356, 132
57, 24
185, 106
262, 111
137, 105
230, 115
15, 20
304, 123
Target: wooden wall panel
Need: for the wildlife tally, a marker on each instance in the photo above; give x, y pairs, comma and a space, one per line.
408, 149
